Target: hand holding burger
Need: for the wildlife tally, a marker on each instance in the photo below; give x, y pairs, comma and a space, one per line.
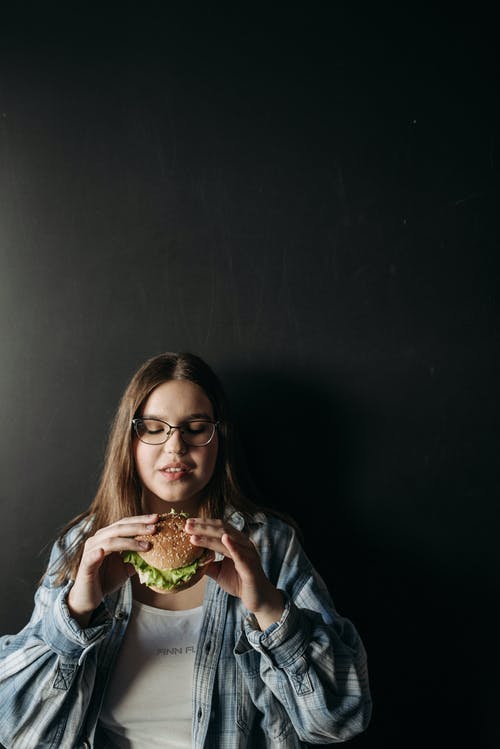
238, 570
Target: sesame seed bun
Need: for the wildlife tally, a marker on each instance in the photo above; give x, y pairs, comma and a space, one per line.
172, 549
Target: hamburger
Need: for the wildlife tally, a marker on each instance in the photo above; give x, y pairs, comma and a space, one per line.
172, 563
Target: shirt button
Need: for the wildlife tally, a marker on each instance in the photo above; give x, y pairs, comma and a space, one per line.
120, 615
200, 713
208, 646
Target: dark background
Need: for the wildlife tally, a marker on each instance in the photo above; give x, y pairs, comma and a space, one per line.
308, 199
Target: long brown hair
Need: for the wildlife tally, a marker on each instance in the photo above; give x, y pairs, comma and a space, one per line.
120, 492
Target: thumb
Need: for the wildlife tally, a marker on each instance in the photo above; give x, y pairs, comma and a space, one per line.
131, 570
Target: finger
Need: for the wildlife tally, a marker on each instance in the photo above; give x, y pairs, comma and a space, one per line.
204, 526
236, 548
245, 557
128, 528
216, 543
130, 569
117, 544
206, 542
213, 529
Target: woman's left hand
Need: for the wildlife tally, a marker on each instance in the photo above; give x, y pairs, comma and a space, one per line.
240, 573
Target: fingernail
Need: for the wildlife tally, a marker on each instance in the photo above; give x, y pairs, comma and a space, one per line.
151, 527
144, 544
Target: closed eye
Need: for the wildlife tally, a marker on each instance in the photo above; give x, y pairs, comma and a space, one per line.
196, 427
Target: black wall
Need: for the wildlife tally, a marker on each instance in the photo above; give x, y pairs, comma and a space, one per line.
308, 200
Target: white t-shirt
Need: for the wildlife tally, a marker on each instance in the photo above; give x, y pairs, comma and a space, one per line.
148, 700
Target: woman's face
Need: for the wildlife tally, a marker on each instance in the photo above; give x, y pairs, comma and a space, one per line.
174, 474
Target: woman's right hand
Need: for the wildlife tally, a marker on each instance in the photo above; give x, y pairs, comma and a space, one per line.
102, 569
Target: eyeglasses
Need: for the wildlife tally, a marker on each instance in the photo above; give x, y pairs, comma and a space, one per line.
197, 433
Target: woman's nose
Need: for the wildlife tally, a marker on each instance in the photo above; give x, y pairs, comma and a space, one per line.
175, 444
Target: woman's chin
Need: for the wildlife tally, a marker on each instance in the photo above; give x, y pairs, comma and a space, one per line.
165, 503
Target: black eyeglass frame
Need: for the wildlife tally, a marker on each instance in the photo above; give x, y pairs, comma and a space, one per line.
180, 427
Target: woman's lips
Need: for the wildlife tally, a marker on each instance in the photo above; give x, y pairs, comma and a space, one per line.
175, 472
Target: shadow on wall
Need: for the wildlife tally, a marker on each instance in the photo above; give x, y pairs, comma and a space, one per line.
310, 451
303, 448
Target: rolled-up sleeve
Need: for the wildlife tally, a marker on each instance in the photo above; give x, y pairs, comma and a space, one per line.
312, 661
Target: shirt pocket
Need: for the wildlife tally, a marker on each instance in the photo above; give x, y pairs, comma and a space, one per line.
255, 701
247, 671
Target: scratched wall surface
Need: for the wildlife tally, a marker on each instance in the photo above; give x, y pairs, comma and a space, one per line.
308, 200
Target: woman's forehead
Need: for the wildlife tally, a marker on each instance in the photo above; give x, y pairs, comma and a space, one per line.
178, 398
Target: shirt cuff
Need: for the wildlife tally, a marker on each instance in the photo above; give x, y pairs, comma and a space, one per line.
283, 641
63, 633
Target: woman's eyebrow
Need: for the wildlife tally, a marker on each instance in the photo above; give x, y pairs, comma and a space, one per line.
198, 415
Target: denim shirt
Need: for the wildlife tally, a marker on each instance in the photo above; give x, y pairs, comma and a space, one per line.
303, 680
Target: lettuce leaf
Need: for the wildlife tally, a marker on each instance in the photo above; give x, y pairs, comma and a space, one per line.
165, 579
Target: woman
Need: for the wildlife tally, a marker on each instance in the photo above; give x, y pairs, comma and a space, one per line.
254, 654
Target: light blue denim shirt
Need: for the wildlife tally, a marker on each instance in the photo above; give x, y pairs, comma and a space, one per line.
303, 680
